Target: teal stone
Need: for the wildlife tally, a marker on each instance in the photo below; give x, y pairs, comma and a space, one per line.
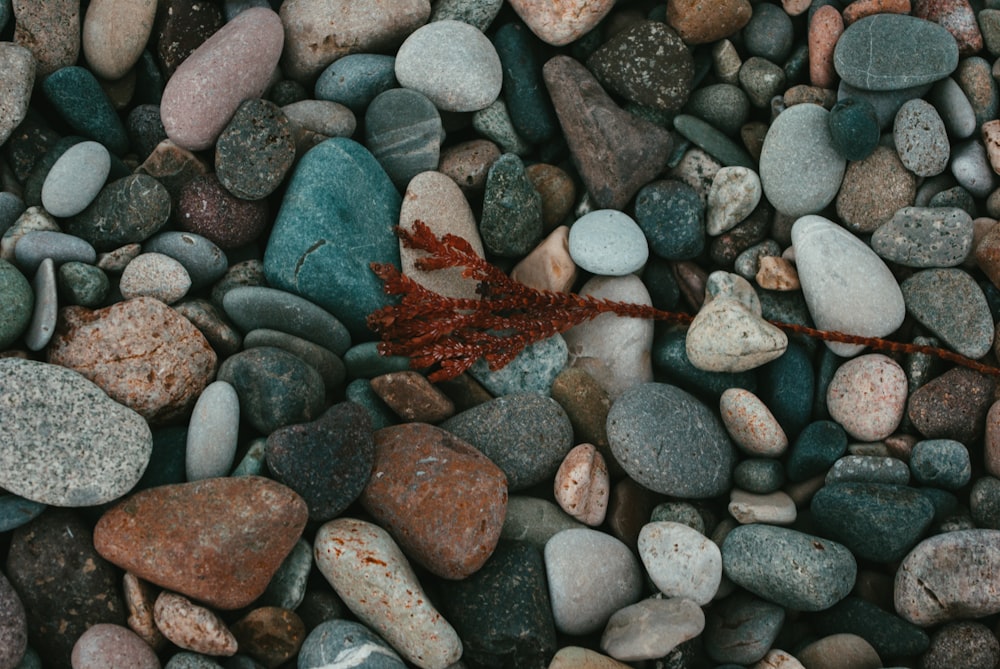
82, 103
678, 512
360, 392
5, 13
478, 13
797, 66
403, 131
16, 511
741, 629
868, 469
984, 502
166, 464
829, 363
126, 211
253, 461
878, 521
854, 128
82, 284
787, 386
890, 636
670, 359
940, 463
759, 475
527, 100
532, 371
956, 197
356, 79
365, 362
712, 141
885, 52
17, 302
724, 106
337, 216
945, 503
815, 450
511, 224
885, 103
790, 568
672, 216
495, 124
949, 303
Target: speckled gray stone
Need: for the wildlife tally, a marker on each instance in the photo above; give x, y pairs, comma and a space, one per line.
204, 262
65, 441
37, 245
951, 304
921, 139
253, 307
925, 237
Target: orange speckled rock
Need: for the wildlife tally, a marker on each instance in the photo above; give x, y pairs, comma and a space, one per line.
141, 352
701, 22
218, 541
862, 8
192, 627
751, 424
824, 30
440, 498
582, 486
957, 17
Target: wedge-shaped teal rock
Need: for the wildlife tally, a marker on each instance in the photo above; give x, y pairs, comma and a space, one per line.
337, 216
66, 443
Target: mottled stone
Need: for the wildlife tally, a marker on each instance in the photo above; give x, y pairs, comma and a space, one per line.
925, 237
511, 223
742, 629
681, 562
270, 635
13, 625
192, 627
950, 303
652, 628
561, 24
217, 541
17, 65
339, 641
582, 485
920, 138
154, 275
867, 396
78, 98
206, 208
952, 405
413, 397
50, 30
255, 150
127, 210
17, 304
695, 25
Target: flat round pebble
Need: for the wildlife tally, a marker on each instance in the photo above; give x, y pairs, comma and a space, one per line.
452, 63
155, 275
254, 307
75, 179
339, 641
213, 432
751, 424
356, 79
207, 209
107, 646
607, 242
681, 562
255, 150
867, 396
671, 215
742, 631
192, 627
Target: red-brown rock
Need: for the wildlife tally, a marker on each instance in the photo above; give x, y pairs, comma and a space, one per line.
953, 405
441, 499
141, 352
957, 17
218, 541
701, 22
270, 635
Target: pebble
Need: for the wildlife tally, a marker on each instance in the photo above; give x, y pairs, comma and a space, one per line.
759, 475
16, 511
17, 306
75, 179
256, 307
800, 170
726, 336
712, 141
403, 131
192, 627
954, 108
949, 303
114, 35
371, 575
183, 26
924, 237
549, 266
17, 80
854, 128
762, 80
312, 121
270, 635
774, 508
888, 634
862, 208
209, 540
232, 65
356, 79
825, 27
187, 660
335, 643
412, 397
532, 371
255, 150
671, 214
788, 567
664, 455
37, 245
534, 520
140, 599
591, 575
212, 323
607, 242
742, 631
494, 123
50, 31
212, 432
582, 485
696, 27
79, 99
155, 275
682, 562
13, 625
734, 194
850, 650
511, 223
127, 210
940, 463
921, 139
207, 209
868, 469
952, 405
971, 168
105, 645
559, 25
651, 628
867, 396
724, 106
894, 51
945, 578
43, 319
846, 285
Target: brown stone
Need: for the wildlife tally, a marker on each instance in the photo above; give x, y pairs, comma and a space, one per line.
582, 486
615, 152
874, 189
192, 627
50, 30
270, 635
777, 273
549, 266
468, 164
557, 190
975, 77
862, 8
140, 599
952, 406
173, 167
957, 17
218, 541
701, 22
140, 352
802, 94
465, 392
413, 397
629, 509
586, 404
441, 499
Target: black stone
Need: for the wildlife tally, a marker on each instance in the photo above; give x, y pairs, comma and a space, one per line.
890, 636
126, 211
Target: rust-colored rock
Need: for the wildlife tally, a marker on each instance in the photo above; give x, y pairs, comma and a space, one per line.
957, 17
218, 541
141, 352
952, 406
701, 21
862, 8
825, 29
413, 397
440, 498
270, 635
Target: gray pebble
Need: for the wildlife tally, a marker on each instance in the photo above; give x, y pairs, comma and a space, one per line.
16, 511
532, 371
343, 643
608, 242
742, 628
204, 262
971, 168
75, 179
925, 237
535, 520
951, 304
37, 245
212, 322
356, 79
11, 208
213, 431
954, 108
43, 318
762, 80
868, 469
921, 138
479, 13
252, 307
155, 275
494, 123
403, 131
324, 361
287, 588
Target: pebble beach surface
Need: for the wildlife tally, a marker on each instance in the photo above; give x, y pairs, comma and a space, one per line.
205, 462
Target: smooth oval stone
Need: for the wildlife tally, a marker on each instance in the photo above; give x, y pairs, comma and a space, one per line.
527, 435
950, 303
867, 396
722, 105
43, 320
751, 424
78, 97
727, 336
921, 139
947, 577
86, 449
338, 198
690, 458
255, 307
369, 572
192, 627
17, 80
878, 522
800, 170
452, 63
127, 210
868, 469
925, 237
188, 660
37, 245
971, 168
327, 461
760, 476
330, 367
336, 642
213, 432
206, 208
218, 541
275, 387
671, 215
511, 223
954, 108
854, 128
530, 109
403, 131
204, 262
232, 65
582, 485
75, 179
651, 628
815, 450
886, 52
114, 35
790, 568
714, 142
356, 79
154, 275
607, 242
105, 645
940, 463
846, 285
534, 520
681, 562
742, 629
255, 150
591, 575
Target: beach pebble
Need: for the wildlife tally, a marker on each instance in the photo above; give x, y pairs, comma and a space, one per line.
846, 285
549, 266
873, 189
696, 27
925, 237
75, 179
369, 572
35, 246
850, 650
51, 31
591, 575
559, 25
156, 276
114, 35
412, 397
192, 627
726, 336
940, 463
651, 628
217, 541
338, 641
867, 396
207, 209
511, 223
269, 635
582, 485
17, 304
672, 216
681, 562
773, 508
255, 150
108, 645
969, 643
17, 80
921, 139
951, 304
534, 520
971, 168
355, 79
868, 469
743, 629
44, 317
212, 432
952, 405
734, 195
607, 242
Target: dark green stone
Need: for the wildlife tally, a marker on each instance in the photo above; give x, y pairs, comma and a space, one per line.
759, 475
878, 521
524, 91
854, 128
661, 283
984, 502
713, 142
672, 216
815, 450
945, 503
80, 100
17, 302
511, 224
363, 361
786, 387
82, 284
670, 359
255, 150
126, 211
890, 636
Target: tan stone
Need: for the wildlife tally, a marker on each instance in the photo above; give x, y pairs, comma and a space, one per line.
873, 190
559, 22
192, 627
413, 397
50, 30
840, 651
777, 273
574, 657
114, 34
549, 265
582, 486
468, 163
776, 508
778, 659
991, 139
140, 599
557, 190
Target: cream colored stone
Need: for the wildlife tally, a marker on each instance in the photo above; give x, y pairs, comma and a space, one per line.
582, 486
559, 22
549, 265
192, 627
776, 508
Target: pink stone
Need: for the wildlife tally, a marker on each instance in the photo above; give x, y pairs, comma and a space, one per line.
957, 17
234, 64
192, 627
867, 396
582, 486
824, 31
549, 266
108, 646
560, 22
